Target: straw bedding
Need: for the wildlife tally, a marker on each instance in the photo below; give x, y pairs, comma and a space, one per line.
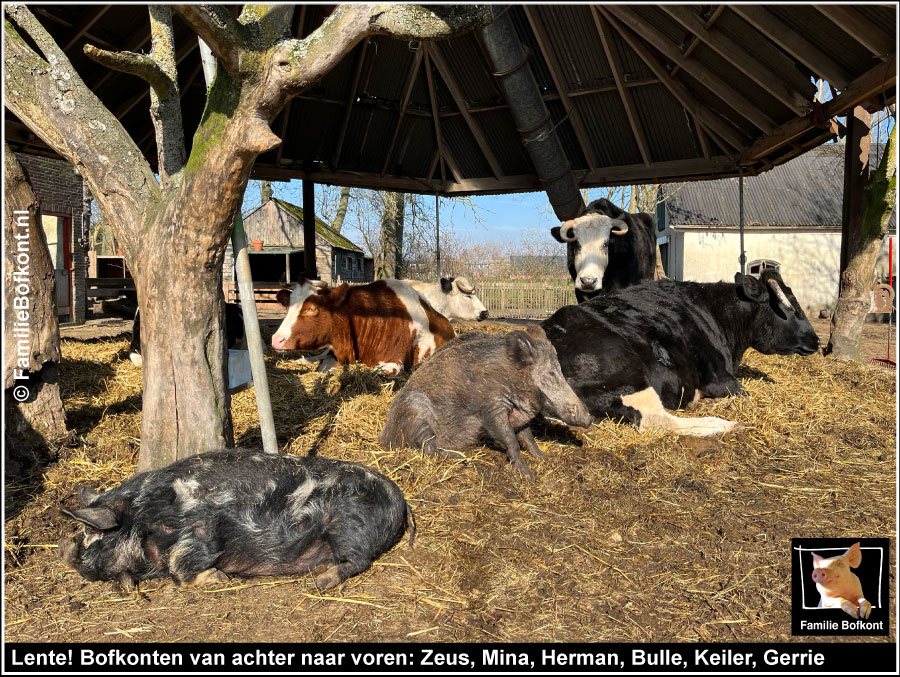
624, 535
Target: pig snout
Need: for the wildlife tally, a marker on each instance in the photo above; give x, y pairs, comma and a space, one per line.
820, 576
67, 549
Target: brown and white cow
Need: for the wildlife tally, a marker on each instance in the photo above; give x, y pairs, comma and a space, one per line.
452, 297
384, 324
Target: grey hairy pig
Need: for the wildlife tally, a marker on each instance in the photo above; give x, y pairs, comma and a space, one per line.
238, 512
483, 387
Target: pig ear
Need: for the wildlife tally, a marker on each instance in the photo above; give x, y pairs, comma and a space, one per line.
100, 518
816, 559
284, 297
536, 332
86, 495
853, 555
520, 347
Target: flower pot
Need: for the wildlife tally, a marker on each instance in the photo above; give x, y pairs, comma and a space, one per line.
257, 245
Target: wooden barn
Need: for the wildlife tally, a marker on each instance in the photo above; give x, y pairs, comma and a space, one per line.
792, 217
278, 226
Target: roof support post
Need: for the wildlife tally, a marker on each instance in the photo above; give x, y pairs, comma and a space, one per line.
530, 114
856, 176
743, 256
309, 230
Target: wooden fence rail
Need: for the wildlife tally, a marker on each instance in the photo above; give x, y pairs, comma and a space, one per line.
525, 300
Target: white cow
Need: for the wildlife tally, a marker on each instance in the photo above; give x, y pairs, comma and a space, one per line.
454, 298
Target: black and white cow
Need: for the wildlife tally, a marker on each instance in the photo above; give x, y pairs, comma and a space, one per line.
234, 331
665, 344
608, 248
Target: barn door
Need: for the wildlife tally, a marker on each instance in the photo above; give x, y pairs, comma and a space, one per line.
58, 231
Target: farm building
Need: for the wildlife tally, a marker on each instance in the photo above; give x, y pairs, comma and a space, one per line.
278, 225
58, 188
792, 218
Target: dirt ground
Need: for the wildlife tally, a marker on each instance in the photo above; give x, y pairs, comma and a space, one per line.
624, 536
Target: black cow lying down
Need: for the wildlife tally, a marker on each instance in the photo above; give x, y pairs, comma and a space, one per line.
665, 344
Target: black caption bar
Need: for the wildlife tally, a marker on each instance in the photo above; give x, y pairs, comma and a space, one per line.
445, 658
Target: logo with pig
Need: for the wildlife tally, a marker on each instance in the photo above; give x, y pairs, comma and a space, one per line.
839, 586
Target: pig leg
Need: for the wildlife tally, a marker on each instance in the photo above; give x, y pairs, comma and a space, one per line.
500, 431
849, 607
350, 557
526, 440
207, 577
192, 558
411, 422
865, 608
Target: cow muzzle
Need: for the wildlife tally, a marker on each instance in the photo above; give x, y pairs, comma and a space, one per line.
482, 315
588, 283
278, 342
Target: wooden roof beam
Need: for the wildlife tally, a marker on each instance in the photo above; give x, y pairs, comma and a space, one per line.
404, 102
728, 94
616, 66
860, 28
436, 118
434, 51
537, 27
297, 31
80, 30
740, 58
861, 91
351, 98
794, 44
693, 105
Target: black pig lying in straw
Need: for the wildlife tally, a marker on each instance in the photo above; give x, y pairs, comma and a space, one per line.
483, 387
240, 512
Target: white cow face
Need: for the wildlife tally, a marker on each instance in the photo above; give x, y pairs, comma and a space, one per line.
590, 234
460, 301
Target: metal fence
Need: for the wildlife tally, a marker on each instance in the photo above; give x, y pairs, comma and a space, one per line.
532, 300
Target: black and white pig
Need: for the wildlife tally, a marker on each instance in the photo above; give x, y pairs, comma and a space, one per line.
483, 387
238, 512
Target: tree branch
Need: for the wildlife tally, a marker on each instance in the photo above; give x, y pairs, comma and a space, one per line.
165, 107
54, 103
219, 30
142, 65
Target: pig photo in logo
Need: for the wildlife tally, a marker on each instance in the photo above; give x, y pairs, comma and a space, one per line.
839, 586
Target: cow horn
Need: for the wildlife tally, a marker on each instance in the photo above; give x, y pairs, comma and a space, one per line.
321, 284
620, 229
779, 292
464, 285
566, 227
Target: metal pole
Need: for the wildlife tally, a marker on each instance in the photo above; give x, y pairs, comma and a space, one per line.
743, 257
437, 226
248, 303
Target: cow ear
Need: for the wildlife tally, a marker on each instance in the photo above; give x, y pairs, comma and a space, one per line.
520, 347
339, 294
100, 518
86, 495
284, 297
555, 233
750, 289
853, 555
446, 285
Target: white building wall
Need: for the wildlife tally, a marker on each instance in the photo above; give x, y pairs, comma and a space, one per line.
810, 260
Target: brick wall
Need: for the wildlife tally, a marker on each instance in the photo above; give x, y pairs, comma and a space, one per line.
59, 190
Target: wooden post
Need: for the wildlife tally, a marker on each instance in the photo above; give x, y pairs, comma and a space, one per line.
309, 230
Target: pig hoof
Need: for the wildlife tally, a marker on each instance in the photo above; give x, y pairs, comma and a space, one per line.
864, 608
524, 469
850, 608
328, 580
209, 577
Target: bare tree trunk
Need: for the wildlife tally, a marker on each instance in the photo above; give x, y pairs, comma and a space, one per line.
857, 278
34, 409
392, 236
265, 191
338, 222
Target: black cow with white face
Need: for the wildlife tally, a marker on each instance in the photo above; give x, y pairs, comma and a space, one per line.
608, 248
665, 344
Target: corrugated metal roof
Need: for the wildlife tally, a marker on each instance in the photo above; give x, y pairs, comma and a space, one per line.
570, 38
804, 192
